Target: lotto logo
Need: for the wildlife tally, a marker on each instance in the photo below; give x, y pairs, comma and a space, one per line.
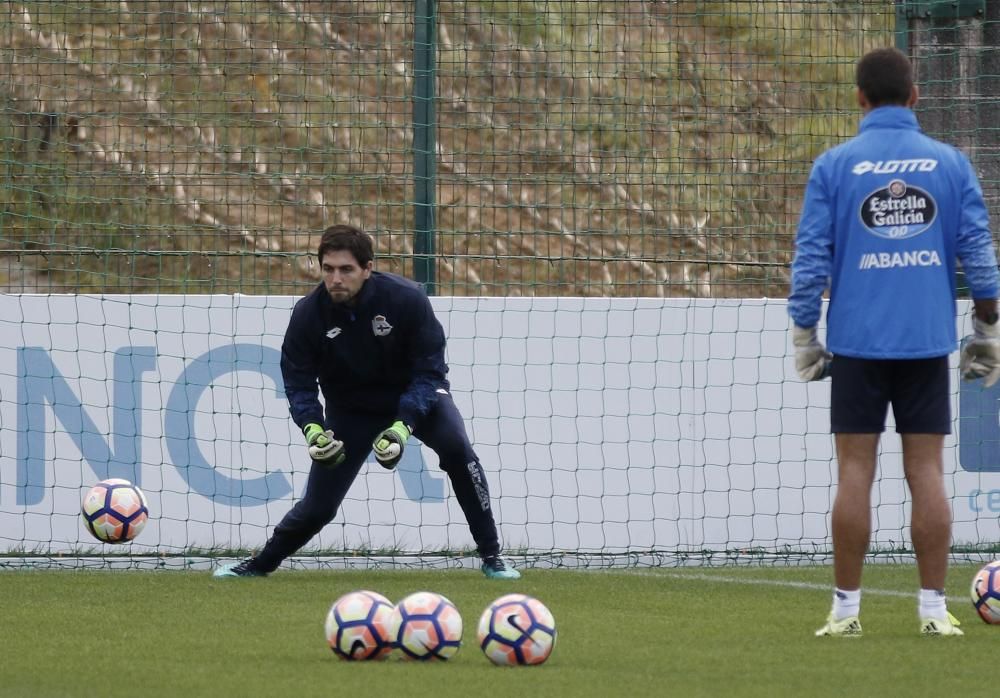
894, 166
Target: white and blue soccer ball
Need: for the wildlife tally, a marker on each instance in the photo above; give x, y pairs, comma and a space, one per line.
114, 511
357, 626
986, 593
517, 630
426, 626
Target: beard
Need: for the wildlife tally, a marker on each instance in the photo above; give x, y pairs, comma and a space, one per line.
340, 296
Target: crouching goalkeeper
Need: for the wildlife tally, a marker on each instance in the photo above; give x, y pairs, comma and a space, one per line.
370, 341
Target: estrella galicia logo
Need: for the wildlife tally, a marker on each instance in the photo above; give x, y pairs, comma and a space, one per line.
899, 211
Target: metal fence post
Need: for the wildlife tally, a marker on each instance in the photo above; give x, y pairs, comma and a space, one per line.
424, 143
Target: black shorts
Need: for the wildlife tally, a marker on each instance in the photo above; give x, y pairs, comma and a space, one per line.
862, 389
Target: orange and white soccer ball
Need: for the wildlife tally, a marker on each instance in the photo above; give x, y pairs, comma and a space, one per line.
426, 626
517, 629
114, 511
357, 626
986, 592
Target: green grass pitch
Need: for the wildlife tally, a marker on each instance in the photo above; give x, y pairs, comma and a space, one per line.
653, 632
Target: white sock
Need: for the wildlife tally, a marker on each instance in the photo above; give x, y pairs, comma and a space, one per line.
846, 603
932, 604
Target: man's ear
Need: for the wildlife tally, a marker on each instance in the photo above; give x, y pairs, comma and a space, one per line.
862, 100
914, 97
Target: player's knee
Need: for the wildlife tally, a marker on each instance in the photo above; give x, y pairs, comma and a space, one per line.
459, 461
318, 516
450, 465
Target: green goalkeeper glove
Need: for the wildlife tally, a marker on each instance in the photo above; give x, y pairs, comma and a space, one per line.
812, 360
322, 446
980, 355
389, 444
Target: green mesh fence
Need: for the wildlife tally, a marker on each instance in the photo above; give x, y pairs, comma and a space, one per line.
614, 148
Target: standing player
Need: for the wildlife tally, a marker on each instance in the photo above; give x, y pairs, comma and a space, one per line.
370, 341
885, 216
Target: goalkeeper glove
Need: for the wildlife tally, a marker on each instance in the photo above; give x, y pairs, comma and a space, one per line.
322, 446
812, 360
389, 444
980, 356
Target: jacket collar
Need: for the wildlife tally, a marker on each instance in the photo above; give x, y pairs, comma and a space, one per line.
890, 117
366, 292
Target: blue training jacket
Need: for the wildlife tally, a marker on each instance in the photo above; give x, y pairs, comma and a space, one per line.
885, 216
383, 355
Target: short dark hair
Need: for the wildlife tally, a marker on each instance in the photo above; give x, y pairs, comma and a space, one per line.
347, 237
885, 76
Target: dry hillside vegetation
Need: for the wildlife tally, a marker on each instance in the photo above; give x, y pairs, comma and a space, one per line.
584, 148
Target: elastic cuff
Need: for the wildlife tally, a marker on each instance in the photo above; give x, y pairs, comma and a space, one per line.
311, 419
409, 419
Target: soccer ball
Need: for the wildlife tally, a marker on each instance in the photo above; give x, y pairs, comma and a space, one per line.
357, 626
517, 629
114, 511
986, 592
426, 626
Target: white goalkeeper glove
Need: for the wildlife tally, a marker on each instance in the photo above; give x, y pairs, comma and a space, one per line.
812, 360
389, 444
980, 356
322, 446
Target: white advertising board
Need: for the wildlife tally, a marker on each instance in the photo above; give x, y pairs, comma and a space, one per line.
604, 425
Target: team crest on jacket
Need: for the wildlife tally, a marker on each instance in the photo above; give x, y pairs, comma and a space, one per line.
899, 211
381, 326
